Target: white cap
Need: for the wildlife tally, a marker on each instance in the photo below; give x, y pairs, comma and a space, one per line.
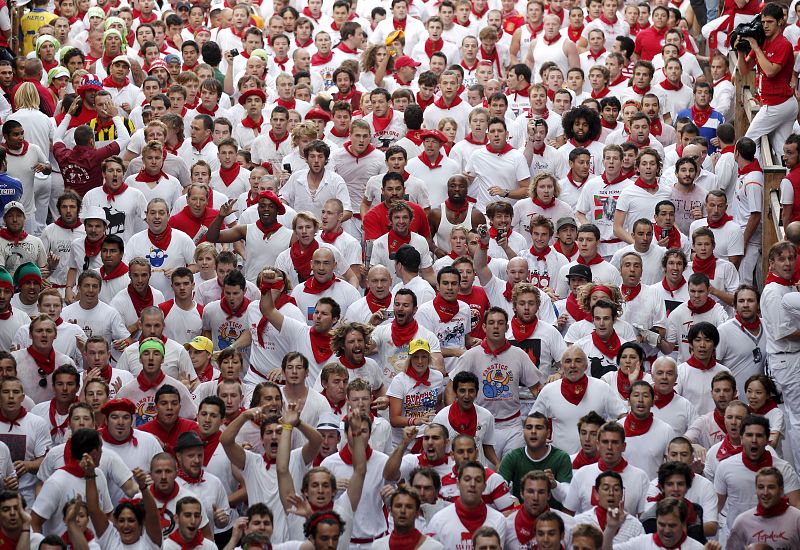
95, 213
329, 421
13, 204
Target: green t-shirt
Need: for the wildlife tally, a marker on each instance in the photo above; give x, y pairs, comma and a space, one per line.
516, 464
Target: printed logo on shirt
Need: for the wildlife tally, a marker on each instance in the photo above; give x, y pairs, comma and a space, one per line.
116, 220
604, 207
497, 380
145, 411
228, 332
156, 256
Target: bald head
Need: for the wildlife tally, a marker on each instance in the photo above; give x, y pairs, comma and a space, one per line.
793, 233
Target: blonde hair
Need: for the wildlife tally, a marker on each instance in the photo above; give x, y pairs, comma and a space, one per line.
307, 129
205, 248
445, 121
26, 96
540, 177
305, 216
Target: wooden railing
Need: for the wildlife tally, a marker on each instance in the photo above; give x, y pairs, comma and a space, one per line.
745, 109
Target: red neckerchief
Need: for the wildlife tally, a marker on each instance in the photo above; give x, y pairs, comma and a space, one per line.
619, 468
399, 24
228, 175
605, 124
719, 223
672, 291
778, 510
772, 278
432, 47
144, 177
524, 526
15, 422
425, 463
469, 68
161, 241
607, 21
268, 231
351, 365
597, 259
537, 201
539, 150
573, 182
189, 479
552, 41
471, 519
442, 105
493, 57
423, 103
541, 256
573, 392
419, 379
170, 149
402, 335
374, 303
276, 140
753, 166
667, 85
700, 117
752, 326
301, 258
575, 34
647, 186
522, 331
656, 127
45, 362
706, 307
574, 309
464, 422
582, 460
404, 541
347, 455
727, 449
313, 286
51, 414
707, 266
674, 235
610, 348
630, 293
9, 236
380, 123
395, 241
764, 462
108, 438
117, 272
635, 427
22, 152
234, 314
560, 250
640, 91
321, 345
720, 421
765, 408
317, 59
147, 385
600, 95
494, 352
508, 292
92, 249
345, 48
624, 384
662, 400
109, 82
337, 408
457, 210
696, 363
446, 310
348, 146
196, 541
6, 315
139, 302
414, 136
331, 236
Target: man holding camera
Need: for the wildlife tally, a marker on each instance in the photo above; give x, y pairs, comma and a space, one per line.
773, 61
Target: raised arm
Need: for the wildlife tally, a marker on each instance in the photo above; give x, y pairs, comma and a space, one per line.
98, 517
236, 233
359, 452
285, 481
391, 471
234, 451
481, 258
267, 304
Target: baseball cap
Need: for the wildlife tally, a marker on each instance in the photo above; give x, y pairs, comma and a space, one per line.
156, 64
90, 82
200, 343
580, 270
566, 220
183, 6
12, 205
121, 59
418, 344
405, 61
172, 58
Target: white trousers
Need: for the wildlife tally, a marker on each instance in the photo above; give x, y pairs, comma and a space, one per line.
784, 369
775, 120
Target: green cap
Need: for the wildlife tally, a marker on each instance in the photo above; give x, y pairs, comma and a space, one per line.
5, 279
26, 272
151, 343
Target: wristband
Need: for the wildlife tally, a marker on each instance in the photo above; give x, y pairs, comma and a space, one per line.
287, 427
411, 420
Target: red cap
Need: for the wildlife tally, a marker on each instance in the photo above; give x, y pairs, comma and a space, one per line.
318, 114
269, 195
124, 405
436, 134
405, 61
252, 92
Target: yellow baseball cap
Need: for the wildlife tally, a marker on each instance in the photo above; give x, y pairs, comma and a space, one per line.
200, 343
418, 344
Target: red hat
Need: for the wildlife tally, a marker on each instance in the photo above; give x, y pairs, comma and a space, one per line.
252, 92
156, 64
318, 114
90, 82
269, 195
436, 134
124, 405
405, 61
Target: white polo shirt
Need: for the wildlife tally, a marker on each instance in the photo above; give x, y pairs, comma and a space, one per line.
742, 352
299, 196
265, 149
634, 480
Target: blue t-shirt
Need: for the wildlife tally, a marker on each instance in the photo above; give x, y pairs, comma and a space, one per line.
10, 190
709, 129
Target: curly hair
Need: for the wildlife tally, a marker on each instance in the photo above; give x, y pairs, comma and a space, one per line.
585, 292
590, 116
339, 334
539, 178
369, 59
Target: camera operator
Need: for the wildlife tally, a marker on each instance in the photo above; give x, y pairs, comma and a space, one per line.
773, 60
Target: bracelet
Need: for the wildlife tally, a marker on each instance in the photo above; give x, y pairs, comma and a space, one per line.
287, 427
411, 420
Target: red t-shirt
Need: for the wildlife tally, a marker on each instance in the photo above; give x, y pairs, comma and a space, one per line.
376, 221
775, 90
478, 303
169, 438
649, 42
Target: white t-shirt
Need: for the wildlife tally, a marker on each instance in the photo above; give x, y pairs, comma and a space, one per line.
639, 203
695, 385
392, 358
179, 253
484, 433
634, 480
416, 400
341, 291
60, 488
646, 451
491, 169
681, 320
451, 334
446, 527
